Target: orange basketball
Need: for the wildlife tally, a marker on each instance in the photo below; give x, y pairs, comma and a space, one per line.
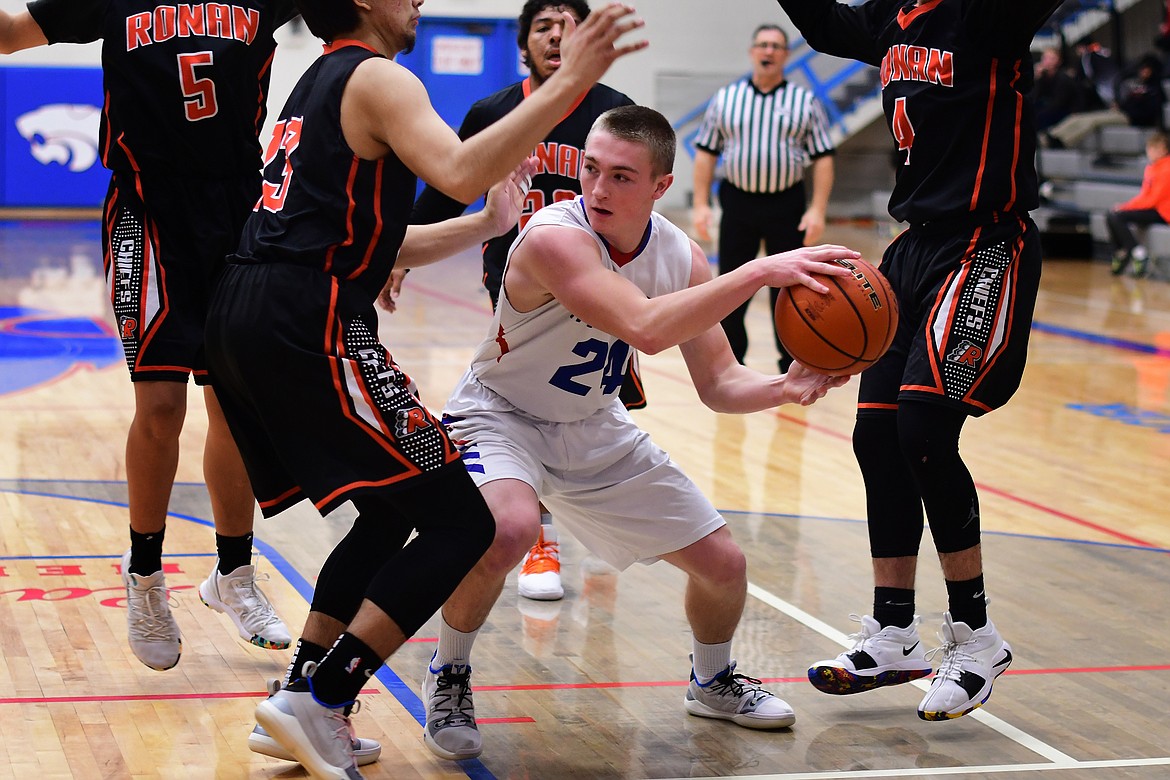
842, 332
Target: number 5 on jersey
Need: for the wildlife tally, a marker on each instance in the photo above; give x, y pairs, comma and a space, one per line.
286, 136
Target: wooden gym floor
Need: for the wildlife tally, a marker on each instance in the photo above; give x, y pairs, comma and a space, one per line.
1074, 490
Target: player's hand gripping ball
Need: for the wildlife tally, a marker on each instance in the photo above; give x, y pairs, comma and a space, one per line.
845, 331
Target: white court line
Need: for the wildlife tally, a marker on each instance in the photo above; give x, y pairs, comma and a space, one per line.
984, 717
958, 770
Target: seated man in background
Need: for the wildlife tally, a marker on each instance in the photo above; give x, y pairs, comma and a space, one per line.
1151, 206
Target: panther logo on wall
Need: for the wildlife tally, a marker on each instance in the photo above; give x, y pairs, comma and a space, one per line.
62, 133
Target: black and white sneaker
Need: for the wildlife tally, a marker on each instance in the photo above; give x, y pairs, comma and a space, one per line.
739, 699
971, 662
879, 657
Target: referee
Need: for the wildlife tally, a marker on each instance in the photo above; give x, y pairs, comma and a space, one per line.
768, 131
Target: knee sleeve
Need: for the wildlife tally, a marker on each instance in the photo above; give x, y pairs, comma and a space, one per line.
893, 503
929, 437
377, 534
455, 528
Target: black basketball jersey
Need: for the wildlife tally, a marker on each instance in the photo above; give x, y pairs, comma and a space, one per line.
954, 76
560, 156
185, 85
322, 206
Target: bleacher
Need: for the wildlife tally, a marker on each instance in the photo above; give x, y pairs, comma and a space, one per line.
1080, 186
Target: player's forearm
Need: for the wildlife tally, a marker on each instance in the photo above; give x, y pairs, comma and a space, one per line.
18, 32
426, 244
704, 174
822, 183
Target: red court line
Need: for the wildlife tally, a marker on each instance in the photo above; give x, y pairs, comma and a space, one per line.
148, 697
489, 721
778, 680
531, 687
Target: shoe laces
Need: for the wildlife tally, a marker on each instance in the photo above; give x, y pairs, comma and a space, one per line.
543, 557
454, 688
954, 658
737, 686
151, 608
249, 601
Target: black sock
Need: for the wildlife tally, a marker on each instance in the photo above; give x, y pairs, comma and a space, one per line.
234, 552
893, 606
344, 670
146, 552
305, 651
968, 602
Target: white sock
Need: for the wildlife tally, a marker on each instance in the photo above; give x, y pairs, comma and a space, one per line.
710, 660
454, 646
545, 518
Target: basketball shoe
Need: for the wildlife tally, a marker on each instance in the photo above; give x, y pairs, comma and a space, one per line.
879, 657
317, 736
971, 662
365, 751
739, 699
1141, 260
450, 731
540, 574
239, 597
154, 634
1121, 258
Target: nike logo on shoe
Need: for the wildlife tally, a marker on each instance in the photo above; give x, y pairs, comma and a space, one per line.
910, 649
1007, 659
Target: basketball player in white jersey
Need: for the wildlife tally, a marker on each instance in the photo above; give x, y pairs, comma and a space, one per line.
537, 416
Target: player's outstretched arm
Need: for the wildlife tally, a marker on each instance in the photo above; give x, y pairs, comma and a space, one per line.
726, 386
18, 32
385, 107
564, 263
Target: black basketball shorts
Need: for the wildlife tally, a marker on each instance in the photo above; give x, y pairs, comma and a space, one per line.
315, 403
165, 239
966, 293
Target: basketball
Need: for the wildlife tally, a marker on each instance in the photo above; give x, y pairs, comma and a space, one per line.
844, 331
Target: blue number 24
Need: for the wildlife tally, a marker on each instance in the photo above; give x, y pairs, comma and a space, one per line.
597, 355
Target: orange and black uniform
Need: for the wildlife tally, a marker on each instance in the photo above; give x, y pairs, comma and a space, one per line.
955, 76
185, 92
316, 404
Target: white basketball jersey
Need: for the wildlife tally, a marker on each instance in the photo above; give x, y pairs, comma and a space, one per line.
550, 364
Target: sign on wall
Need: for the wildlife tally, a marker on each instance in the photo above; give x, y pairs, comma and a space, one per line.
50, 138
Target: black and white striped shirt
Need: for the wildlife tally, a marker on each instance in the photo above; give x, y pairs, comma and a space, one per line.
766, 139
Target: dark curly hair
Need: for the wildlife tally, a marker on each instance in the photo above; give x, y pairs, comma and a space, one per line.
533, 7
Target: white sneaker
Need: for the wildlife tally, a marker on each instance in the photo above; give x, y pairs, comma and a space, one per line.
154, 634
239, 597
317, 736
738, 698
365, 751
879, 657
971, 662
540, 574
451, 731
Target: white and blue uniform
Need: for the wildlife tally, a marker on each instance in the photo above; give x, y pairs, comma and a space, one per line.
540, 404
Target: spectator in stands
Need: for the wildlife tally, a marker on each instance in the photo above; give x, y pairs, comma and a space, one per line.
1138, 100
1140, 96
1151, 206
1095, 70
1056, 93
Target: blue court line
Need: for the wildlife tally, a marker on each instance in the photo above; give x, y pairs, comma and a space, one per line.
405, 696
1097, 338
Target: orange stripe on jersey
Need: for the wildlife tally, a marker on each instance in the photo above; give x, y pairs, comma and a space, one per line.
109, 135
377, 233
151, 243
888, 407
986, 136
1005, 300
108, 249
261, 96
353, 169
341, 43
526, 88
954, 282
1015, 138
285, 496
905, 17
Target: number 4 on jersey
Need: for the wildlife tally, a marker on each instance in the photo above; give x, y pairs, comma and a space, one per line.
902, 129
286, 136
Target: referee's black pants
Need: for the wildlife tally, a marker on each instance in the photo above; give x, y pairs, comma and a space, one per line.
748, 219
